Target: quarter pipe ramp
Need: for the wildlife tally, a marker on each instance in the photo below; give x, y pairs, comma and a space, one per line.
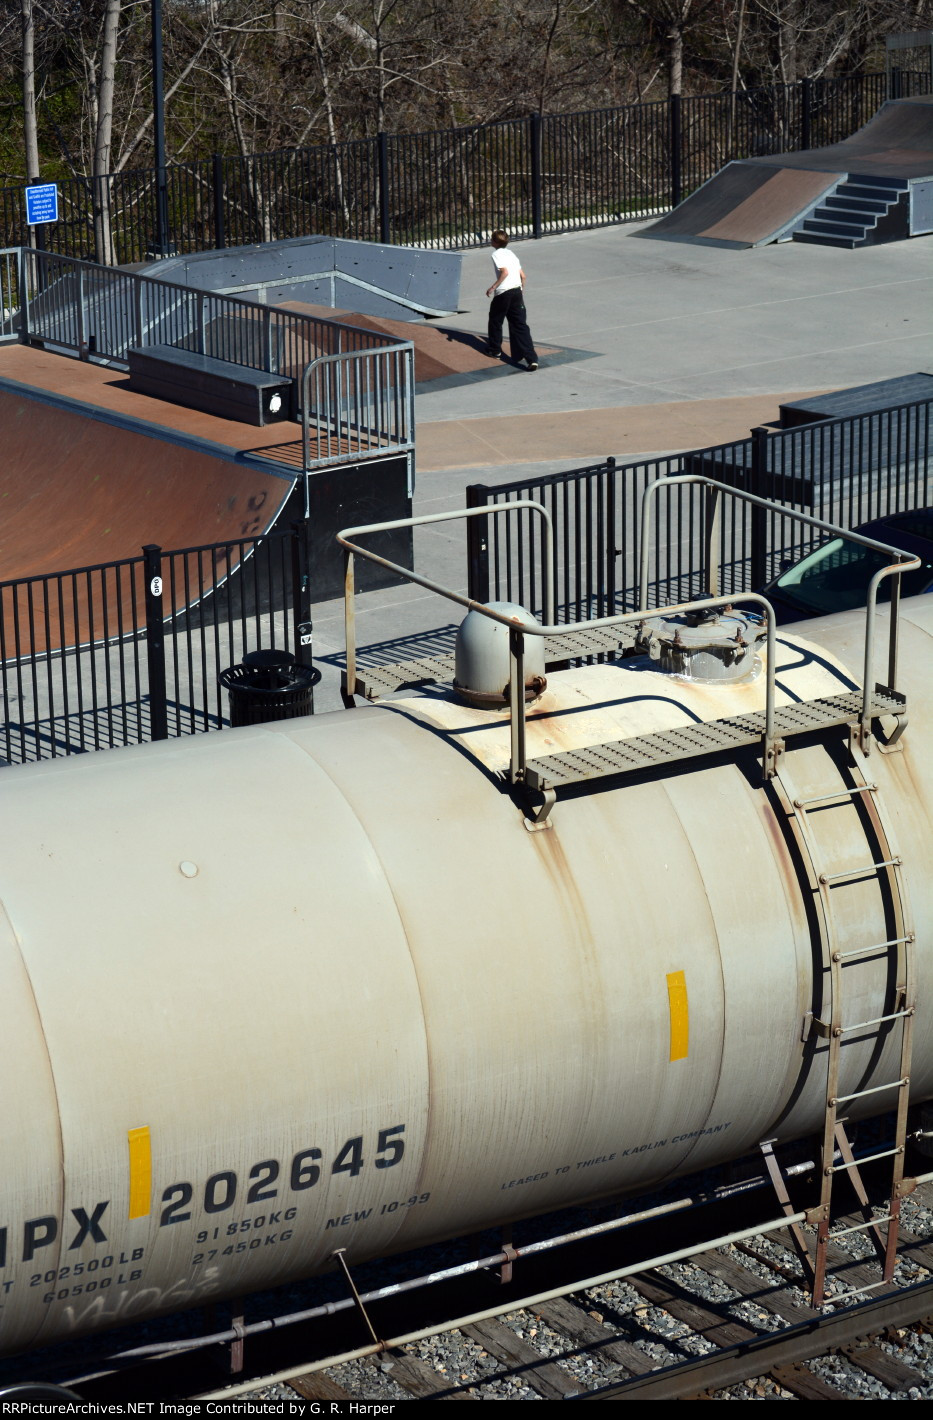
759, 200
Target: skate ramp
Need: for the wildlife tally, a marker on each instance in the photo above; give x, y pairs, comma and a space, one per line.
78, 490
756, 200
442, 352
370, 278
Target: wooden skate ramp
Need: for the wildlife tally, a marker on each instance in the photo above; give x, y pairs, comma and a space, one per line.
442, 351
84, 481
753, 201
77, 491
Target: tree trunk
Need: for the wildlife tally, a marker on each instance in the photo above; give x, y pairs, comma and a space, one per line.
787, 41
735, 79
331, 125
675, 61
103, 236
30, 127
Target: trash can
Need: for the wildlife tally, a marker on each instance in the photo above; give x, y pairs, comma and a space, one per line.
269, 685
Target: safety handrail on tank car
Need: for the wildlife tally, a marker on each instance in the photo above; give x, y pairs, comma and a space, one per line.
411, 576
904, 562
517, 632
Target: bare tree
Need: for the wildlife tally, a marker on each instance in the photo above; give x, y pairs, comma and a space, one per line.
30, 127
103, 132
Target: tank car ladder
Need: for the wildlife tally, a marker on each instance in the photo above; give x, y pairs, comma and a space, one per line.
897, 1012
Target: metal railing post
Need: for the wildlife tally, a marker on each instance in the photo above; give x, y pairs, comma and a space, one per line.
517, 704
82, 322
267, 340
22, 281
477, 496
349, 624
675, 143
806, 103
713, 512
202, 322
382, 148
759, 515
217, 183
612, 552
155, 641
138, 310
535, 139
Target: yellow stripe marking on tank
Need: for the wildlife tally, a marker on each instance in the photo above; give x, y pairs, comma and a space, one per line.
140, 1146
680, 1015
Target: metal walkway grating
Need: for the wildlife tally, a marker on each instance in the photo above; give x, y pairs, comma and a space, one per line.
667, 746
372, 682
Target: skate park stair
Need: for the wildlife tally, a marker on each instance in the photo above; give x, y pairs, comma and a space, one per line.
875, 186
860, 212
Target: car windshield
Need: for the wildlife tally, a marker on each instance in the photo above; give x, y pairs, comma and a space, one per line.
836, 577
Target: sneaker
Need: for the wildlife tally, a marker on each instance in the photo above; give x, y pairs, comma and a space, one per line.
532, 365
493, 354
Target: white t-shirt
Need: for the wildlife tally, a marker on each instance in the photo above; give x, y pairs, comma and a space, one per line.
501, 256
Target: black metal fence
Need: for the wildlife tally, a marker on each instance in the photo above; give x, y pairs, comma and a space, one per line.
130, 651
450, 188
90, 309
845, 471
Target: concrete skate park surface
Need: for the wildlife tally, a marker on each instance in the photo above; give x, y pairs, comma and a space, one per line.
646, 347
686, 346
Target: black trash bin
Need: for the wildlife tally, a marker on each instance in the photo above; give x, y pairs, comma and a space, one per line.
268, 685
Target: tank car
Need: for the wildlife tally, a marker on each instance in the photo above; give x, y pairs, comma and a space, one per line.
313, 985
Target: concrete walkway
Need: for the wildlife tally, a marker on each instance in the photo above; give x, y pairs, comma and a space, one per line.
677, 347
679, 326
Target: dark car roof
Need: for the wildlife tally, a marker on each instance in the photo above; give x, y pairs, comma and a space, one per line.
912, 531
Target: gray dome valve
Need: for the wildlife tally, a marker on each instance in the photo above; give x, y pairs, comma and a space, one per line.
482, 657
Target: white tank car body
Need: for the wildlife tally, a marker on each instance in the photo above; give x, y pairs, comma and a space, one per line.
312, 985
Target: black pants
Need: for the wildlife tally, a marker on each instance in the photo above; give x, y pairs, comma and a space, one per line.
510, 306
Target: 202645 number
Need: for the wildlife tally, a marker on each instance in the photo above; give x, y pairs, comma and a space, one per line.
304, 1171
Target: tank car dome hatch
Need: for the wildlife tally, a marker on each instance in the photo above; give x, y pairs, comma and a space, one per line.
482, 657
704, 645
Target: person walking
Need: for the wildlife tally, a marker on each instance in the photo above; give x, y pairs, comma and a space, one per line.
508, 303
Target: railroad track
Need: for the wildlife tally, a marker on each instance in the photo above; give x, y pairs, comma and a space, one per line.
734, 1317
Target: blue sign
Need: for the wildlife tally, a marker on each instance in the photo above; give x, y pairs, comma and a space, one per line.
42, 203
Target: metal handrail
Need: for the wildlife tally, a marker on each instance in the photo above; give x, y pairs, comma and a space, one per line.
10, 294
517, 759
113, 277
905, 562
350, 549
402, 393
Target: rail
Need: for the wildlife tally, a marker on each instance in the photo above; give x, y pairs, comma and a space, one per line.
9, 294
363, 397
362, 404
449, 188
411, 576
129, 651
97, 311
904, 563
544, 775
